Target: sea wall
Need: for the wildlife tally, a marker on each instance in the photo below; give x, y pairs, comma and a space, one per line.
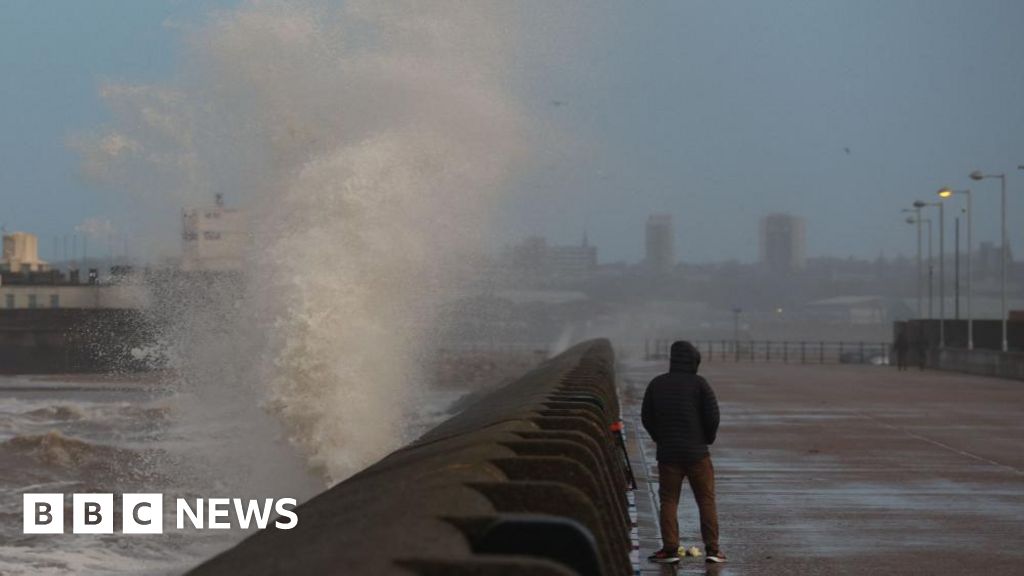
980, 362
65, 340
527, 480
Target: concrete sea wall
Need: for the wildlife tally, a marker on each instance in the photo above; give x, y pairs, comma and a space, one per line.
528, 480
69, 340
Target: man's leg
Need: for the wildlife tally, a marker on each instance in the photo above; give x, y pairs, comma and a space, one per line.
702, 481
670, 481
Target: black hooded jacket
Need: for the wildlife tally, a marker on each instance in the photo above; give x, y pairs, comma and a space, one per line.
680, 410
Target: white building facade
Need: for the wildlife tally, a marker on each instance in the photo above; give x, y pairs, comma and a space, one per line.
35, 296
213, 238
21, 253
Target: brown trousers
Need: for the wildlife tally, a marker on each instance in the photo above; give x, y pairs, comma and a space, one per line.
701, 475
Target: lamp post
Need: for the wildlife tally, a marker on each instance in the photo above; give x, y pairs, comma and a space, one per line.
931, 272
956, 268
931, 267
978, 175
946, 193
736, 331
920, 286
942, 267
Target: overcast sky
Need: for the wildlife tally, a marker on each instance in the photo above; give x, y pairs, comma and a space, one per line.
715, 112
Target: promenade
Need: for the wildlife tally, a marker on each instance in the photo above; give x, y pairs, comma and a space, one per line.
849, 470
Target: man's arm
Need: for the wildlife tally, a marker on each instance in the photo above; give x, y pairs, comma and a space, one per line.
647, 412
709, 411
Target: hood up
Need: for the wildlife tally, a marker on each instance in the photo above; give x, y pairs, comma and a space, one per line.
683, 357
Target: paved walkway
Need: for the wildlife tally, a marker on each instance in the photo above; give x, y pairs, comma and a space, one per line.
850, 470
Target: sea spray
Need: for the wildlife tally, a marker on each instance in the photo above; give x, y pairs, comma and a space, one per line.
366, 143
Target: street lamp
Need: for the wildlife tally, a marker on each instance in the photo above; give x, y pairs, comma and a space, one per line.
931, 267
946, 193
942, 267
736, 331
978, 175
920, 292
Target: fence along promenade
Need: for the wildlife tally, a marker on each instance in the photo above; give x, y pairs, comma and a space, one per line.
528, 480
784, 351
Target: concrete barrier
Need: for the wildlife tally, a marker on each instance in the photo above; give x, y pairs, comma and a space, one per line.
980, 362
72, 340
526, 481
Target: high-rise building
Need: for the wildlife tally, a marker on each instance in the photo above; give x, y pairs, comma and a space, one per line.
660, 252
783, 243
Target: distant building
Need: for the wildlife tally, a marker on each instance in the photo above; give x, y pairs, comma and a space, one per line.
213, 238
26, 282
853, 309
783, 243
573, 262
21, 253
30, 296
535, 262
660, 247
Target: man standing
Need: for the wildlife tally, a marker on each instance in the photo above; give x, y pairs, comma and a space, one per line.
902, 346
680, 413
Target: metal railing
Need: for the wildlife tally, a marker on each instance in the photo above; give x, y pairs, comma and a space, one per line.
782, 351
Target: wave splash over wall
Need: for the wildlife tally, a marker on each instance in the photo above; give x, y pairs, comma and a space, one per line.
366, 143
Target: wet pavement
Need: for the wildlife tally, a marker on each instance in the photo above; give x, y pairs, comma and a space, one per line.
849, 470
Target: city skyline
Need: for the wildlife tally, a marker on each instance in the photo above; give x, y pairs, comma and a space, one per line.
850, 120
106, 245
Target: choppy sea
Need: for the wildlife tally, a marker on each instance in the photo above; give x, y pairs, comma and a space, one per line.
120, 435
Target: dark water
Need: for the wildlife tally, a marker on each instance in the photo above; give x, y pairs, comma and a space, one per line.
95, 436
116, 436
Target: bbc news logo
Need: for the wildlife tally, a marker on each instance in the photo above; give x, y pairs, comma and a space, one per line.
144, 513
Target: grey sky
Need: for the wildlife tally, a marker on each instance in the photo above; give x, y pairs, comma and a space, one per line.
716, 112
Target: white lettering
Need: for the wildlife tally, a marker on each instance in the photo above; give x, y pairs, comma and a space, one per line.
185, 510
287, 513
262, 515
143, 513
218, 509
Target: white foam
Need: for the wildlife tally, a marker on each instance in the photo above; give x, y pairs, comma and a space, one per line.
366, 142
